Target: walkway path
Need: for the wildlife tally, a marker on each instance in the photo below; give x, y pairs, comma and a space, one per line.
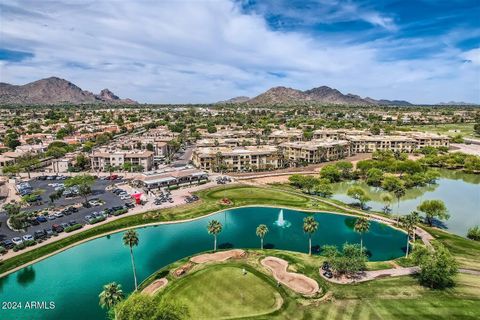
371, 275
378, 274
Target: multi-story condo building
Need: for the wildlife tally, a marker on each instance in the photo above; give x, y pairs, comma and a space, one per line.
337, 134
425, 139
314, 151
365, 144
101, 160
280, 136
237, 159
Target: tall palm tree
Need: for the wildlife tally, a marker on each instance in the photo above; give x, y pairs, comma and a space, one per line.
310, 226
415, 219
399, 192
361, 226
130, 239
261, 232
111, 295
408, 224
214, 227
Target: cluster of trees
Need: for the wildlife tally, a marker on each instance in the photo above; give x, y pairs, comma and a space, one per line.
84, 184
16, 217
437, 267
453, 160
350, 260
58, 149
405, 172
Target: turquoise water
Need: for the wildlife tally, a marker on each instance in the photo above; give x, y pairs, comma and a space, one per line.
73, 279
460, 192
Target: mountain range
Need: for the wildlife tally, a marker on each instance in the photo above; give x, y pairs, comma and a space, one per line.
323, 94
54, 90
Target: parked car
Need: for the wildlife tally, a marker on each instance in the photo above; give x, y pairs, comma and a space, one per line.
57, 228
27, 237
328, 274
48, 232
39, 234
129, 205
7, 244
41, 219
51, 217
72, 222
33, 222
58, 214
17, 240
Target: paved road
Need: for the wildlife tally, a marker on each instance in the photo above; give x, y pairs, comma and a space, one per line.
98, 191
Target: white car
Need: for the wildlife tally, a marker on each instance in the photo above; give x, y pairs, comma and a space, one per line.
58, 214
17, 240
27, 237
125, 197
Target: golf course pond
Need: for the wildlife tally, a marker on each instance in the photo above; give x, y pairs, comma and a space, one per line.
71, 280
459, 191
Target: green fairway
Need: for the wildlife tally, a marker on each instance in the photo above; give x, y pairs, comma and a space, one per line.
450, 129
206, 293
223, 291
467, 252
253, 194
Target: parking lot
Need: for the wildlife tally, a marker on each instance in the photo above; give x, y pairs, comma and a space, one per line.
60, 213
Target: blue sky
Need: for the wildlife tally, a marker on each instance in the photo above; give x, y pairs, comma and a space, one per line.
423, 51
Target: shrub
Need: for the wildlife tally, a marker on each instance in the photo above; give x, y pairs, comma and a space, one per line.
474, 233
97, 220
119, 212
2, 250
73, 228
173, 187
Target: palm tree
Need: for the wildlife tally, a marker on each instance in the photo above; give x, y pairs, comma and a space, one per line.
399, 192
214, 227
310, 226
130, 238
111, 295
408, 225
387, 199
415, 218
261, 232
361, 226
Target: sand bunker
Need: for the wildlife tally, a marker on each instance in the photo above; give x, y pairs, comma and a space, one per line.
156, 285
219, 256
295, 281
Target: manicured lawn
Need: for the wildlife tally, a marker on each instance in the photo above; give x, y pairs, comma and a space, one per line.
223, 291
390, 298
464, 129
467, 252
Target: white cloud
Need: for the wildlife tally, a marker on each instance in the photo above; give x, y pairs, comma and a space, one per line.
204, 51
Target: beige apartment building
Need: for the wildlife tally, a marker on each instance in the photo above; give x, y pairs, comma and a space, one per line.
280, 136
314, 151
102, 159
365, 144
425, 139
237, 159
